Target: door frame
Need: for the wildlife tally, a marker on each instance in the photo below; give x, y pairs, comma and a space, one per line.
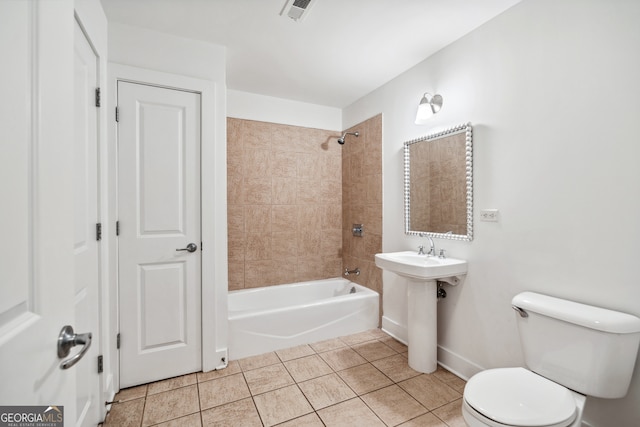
213, 207
93, 23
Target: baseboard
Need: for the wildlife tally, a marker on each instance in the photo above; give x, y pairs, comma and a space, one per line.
394, 329
456, 364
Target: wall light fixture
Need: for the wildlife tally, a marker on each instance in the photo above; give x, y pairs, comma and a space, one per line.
429, 105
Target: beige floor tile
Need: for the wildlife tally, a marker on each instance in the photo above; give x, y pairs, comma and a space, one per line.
328, 345
223, 390
360, 337
395, 344
373, 350
396, 367
126, 414
268, 378
192, 420
325, 391
171, 383
242, 413
311, 420
348, 414
306, 368
451, 414
232, 368
282, 405
342, 358
450, 379
170, 405
393, 405
426, 420
364, 378
295, 352
429, 391
131, 393
259, 361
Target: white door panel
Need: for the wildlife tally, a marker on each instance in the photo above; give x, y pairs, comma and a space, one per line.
36, 219
159, 212
86, 246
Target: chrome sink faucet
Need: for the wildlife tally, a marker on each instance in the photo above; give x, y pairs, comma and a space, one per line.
432, 246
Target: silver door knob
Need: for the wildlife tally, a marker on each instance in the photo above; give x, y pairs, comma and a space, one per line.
191, 247
68, 339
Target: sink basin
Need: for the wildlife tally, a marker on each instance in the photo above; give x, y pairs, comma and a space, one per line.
413, 266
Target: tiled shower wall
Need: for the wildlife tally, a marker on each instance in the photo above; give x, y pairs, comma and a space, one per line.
293, 195
362, 201
284, 204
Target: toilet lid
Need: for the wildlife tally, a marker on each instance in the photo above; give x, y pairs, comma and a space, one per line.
518, 397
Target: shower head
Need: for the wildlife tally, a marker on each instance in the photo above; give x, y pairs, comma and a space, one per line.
341, 139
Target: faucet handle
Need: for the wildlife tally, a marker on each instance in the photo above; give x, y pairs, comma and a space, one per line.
441, 254
421, 250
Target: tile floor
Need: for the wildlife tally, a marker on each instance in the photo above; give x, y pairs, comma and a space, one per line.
357, 380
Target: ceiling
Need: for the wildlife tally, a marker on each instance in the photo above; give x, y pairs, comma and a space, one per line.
339, 52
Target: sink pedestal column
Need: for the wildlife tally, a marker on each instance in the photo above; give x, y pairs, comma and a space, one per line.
422, 325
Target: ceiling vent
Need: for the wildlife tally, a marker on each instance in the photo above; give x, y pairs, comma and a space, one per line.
297, 9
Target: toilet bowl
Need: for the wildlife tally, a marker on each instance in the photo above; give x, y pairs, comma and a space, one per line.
518, 397
571, 350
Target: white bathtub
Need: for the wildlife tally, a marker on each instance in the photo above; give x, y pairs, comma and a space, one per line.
276, 317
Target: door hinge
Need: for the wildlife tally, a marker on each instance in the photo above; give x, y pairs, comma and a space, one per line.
117, 114
97, 97
98, 231
118, 341
117, 228
100, 364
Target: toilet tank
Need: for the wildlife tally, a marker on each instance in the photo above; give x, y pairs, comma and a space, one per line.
587, 349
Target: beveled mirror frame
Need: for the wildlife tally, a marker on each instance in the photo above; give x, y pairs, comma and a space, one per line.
466, 128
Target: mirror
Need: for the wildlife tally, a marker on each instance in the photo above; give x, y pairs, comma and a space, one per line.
438, 184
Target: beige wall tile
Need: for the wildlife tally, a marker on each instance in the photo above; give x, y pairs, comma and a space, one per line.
284, 218
283, 191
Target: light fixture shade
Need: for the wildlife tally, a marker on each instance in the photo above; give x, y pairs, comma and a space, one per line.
429, 105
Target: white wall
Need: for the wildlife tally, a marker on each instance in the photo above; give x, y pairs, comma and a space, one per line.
251, 106
194, 65
551, 88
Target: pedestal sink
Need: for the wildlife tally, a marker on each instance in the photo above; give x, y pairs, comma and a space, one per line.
423, 272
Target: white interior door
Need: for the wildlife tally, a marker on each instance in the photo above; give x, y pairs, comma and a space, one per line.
36, 219
159, 213
86, 245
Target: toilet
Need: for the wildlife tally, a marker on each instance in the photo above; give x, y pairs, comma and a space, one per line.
571, 351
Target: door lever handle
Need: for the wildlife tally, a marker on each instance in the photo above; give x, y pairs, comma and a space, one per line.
68, 339
191, 247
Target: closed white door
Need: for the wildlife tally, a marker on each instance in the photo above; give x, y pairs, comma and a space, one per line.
159, 217
86, 244
36, 218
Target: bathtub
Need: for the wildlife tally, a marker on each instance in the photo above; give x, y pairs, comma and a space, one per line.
277, 317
